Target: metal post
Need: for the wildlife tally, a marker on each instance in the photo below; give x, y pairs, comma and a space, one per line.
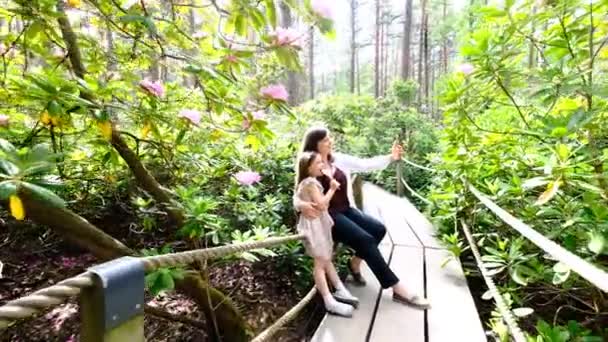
113, 309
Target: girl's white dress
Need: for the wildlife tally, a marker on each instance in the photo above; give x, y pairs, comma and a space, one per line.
318, 243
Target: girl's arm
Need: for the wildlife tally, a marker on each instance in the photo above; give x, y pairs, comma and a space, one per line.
319, 198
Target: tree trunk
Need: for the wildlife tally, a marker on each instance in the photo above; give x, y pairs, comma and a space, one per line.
353, 43
531, 47
444, 46
292, 77
377, 55
426, 60
421, 56
387, 51
311, 63
382, 49
407, 36
358, 73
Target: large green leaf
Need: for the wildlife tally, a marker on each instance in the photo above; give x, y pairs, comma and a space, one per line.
7, 147
271, 12
7, 188
44, 195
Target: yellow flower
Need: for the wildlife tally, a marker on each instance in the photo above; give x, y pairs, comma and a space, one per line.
74, 3
45, 118
106, 129
55, 121
146, 130
16, 207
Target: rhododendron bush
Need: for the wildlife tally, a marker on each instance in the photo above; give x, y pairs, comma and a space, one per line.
171, 101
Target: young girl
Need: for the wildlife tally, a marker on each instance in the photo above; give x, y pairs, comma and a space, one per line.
319, 243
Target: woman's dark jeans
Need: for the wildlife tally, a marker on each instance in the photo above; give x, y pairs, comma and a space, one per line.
363, 233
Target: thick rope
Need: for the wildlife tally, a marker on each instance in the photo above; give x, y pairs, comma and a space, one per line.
418, 166
413, 192
288, 316
40, 300
153, 263
27, 306
593, 274
505, 312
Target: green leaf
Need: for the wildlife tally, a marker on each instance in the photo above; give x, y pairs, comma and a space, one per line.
534, 182
559, 132
551, 191
240, 25
8, 168
54, 108
271, 13
518, 276
523, 312
166, 281
44, 195
7, 147
7, 188
34, 29
562, 272
597, 243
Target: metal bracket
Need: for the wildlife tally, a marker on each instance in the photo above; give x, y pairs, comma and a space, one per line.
122, 284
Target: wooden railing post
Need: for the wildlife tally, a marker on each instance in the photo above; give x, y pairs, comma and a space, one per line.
358, 191
113, 309
399, 176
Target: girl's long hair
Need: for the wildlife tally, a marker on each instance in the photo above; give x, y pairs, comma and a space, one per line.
304, 161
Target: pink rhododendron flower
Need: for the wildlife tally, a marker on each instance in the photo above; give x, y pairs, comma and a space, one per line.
192, 115
466, 68
154, 88
231, 58
275, 92
322, 8
68, 262
257, 115
247, 177
4, 120
287, 37
72, 338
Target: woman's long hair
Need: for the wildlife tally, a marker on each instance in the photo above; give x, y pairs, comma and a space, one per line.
311, 140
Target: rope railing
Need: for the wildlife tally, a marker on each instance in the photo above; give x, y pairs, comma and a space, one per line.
51, 296
585, 269
413, 192
417, 165
503, 309
155, 262
46, 298
286, 318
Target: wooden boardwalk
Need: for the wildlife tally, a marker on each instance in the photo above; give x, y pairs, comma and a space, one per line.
416, 257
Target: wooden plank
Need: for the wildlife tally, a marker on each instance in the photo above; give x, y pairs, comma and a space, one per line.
396, 223
392, 213
453, 316
421, 226
340, 329
397, 322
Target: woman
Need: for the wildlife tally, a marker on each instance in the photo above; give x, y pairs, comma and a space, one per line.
357, 230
